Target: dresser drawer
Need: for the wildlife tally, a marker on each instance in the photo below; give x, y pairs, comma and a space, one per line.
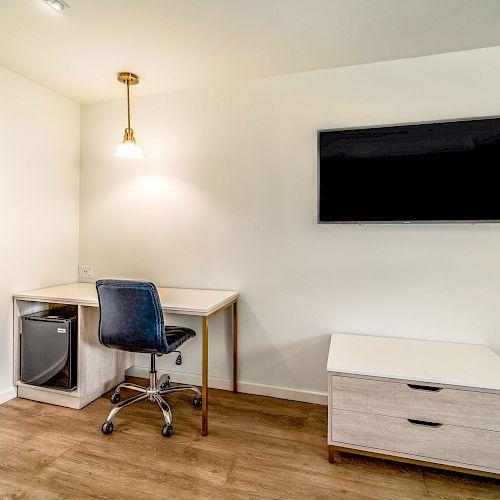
451, 443
480, 410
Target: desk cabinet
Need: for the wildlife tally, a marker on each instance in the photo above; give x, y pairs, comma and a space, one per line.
99, 368
430, 403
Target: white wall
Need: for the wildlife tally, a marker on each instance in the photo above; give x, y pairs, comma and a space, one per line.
39, 190
226, 198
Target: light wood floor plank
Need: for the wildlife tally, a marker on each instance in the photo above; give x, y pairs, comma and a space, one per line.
257, 447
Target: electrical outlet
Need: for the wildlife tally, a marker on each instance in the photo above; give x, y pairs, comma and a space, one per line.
85, 271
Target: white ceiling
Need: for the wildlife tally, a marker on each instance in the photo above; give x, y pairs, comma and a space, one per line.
177, 44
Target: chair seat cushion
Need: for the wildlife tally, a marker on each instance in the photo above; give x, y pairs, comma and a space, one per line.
176, 336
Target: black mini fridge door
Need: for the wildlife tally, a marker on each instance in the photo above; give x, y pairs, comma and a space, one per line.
48, 348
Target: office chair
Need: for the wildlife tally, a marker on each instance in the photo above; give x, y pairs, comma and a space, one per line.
131, 319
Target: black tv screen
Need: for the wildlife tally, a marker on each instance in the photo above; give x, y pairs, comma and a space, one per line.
426, 172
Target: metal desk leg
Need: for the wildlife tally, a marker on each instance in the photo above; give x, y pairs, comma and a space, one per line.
204, 377
235, 347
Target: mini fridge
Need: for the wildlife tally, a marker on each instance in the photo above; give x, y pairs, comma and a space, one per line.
49, 348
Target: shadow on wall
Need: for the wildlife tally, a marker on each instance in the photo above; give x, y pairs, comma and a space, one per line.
277, 358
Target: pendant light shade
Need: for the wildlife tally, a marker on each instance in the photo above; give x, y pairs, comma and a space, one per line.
128, 148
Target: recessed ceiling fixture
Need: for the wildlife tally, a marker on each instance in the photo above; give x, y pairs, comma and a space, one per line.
57, 5
128, 148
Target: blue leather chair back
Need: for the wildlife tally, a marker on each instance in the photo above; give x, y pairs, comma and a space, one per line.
131, 316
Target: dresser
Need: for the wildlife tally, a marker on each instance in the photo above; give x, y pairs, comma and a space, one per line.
423, 402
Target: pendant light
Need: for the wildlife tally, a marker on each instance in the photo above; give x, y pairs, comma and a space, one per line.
128, 148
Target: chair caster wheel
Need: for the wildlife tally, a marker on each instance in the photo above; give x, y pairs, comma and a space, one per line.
115, 398
167, 430
107, 427
166, 383
197, 402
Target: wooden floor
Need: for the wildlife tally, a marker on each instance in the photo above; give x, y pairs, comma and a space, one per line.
257, 447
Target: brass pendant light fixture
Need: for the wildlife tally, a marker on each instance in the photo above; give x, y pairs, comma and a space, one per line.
128, 148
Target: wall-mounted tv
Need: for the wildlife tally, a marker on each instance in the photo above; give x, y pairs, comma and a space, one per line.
425, 172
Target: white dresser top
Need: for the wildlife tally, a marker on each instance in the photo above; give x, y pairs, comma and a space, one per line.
467, 365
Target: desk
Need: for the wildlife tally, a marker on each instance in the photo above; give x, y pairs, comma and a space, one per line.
99, 368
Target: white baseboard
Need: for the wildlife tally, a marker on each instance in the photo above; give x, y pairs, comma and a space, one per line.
8, 395
246, 387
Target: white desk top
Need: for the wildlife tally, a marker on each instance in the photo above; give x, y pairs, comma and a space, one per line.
467, 365
173, 300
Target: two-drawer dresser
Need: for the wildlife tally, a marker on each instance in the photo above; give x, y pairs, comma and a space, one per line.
423, 402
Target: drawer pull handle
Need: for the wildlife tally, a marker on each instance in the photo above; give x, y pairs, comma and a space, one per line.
424, 388
423, 422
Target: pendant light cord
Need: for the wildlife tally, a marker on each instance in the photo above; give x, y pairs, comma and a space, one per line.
128, 103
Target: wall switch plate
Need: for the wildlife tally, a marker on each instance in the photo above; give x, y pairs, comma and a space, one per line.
85, 271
